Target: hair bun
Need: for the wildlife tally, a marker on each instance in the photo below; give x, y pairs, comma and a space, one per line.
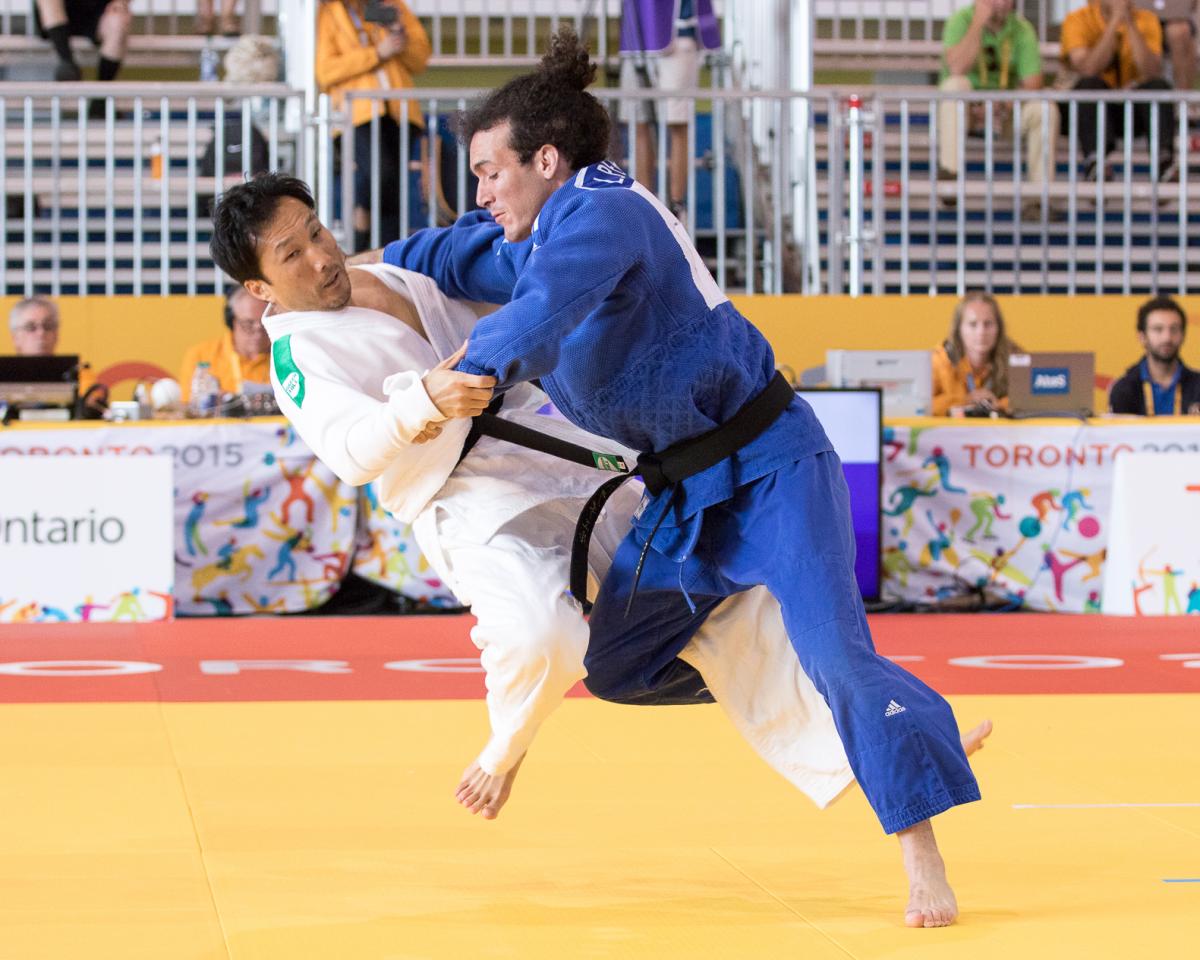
568, 61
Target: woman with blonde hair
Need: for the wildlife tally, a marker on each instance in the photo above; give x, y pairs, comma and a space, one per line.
970, 369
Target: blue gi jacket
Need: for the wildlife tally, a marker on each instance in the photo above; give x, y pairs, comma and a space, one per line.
611, 307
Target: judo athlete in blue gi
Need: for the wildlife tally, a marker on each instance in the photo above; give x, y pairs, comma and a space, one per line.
608, 304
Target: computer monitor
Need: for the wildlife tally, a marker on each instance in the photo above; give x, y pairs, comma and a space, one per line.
853, 421
39, 381
1051, 384
904, 376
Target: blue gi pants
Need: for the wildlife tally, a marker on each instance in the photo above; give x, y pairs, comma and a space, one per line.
791, 531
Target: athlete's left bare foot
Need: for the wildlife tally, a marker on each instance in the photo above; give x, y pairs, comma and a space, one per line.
973, 739
931, 902
485, 793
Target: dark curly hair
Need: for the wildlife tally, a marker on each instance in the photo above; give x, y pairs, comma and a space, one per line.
549, 105
241, 214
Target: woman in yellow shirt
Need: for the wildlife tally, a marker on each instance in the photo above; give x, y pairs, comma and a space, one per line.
970, 369
354, 53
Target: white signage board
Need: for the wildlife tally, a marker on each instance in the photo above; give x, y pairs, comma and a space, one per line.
1153, 565
87, 539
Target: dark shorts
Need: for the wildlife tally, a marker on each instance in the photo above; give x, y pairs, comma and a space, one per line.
83, 18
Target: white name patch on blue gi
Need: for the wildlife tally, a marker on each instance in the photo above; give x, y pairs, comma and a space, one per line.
603, 174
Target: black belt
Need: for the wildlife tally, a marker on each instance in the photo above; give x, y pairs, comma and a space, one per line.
659, 471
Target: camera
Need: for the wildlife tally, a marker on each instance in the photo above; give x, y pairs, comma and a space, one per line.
379, 12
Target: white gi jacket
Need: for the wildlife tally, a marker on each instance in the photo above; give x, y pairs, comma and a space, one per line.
350, 383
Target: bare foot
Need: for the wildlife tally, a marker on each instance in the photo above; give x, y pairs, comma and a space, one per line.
485, 793
972, 740
931, 902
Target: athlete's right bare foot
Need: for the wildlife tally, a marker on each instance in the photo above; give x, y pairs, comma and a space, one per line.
973, 739
931, 902
485, 793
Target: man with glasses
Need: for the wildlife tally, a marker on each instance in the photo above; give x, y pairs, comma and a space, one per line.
33, 324
240, 355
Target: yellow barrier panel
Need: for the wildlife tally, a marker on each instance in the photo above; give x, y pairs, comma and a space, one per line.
125, 338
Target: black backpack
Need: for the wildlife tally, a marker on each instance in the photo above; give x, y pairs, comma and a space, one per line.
259, 150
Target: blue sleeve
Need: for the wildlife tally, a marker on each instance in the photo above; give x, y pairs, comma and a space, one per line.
588, 251
469, 260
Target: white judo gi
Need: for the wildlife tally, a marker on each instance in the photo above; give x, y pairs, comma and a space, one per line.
498, 528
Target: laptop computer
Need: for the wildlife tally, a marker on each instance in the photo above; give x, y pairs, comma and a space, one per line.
39, 381
1167, 9
1051, 384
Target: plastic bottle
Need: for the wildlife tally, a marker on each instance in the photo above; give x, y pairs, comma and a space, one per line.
209, 61
156, 160
206, 392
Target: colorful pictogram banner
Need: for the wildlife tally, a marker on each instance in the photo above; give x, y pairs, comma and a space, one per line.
1018, 509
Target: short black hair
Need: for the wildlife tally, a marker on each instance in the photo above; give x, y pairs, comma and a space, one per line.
239, 215
550, 105
1160, 303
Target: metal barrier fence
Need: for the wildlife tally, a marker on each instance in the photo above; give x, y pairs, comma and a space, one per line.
106, 185
817, 193
484, 33
918, 20
1007, 217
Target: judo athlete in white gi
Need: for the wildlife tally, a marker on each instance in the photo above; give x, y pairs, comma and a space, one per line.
361, 366
610, 307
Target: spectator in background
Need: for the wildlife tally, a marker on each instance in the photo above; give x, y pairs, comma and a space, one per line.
207, 25
358, 53
989, 47
1158, 384
1179, 41
1113, 46
33, 325
105, 22
970, 369
238, 356
661, 44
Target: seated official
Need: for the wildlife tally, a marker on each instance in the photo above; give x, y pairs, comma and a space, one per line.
970, 369
1159, 384
240, 355
33, 324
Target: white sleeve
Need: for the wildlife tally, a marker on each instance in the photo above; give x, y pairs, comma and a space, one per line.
354, 434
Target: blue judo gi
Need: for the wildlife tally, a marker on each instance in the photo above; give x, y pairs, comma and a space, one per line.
611, 307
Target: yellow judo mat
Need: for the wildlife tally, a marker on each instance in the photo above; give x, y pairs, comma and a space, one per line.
282, 831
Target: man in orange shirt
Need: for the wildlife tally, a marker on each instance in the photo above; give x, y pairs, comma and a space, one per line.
1114, 46
240, 355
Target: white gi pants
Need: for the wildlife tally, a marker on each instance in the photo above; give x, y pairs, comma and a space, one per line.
532, 639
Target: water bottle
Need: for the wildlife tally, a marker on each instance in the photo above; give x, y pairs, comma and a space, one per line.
209, 61
206, 392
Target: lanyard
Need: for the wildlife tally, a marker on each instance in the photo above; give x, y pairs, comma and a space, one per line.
1148, 394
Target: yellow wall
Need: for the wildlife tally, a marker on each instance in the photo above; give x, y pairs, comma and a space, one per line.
801, 329
154, 331
128, 338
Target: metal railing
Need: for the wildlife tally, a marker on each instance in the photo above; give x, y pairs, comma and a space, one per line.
513, 33
103, 185
866, 212
992, 222
742, 231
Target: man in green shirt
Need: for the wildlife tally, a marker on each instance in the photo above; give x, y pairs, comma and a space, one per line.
987, 46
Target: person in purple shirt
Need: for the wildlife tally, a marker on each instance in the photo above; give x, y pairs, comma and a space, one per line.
662, 45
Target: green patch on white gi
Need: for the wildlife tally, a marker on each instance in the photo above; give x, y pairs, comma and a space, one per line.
610, 462
286, 372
